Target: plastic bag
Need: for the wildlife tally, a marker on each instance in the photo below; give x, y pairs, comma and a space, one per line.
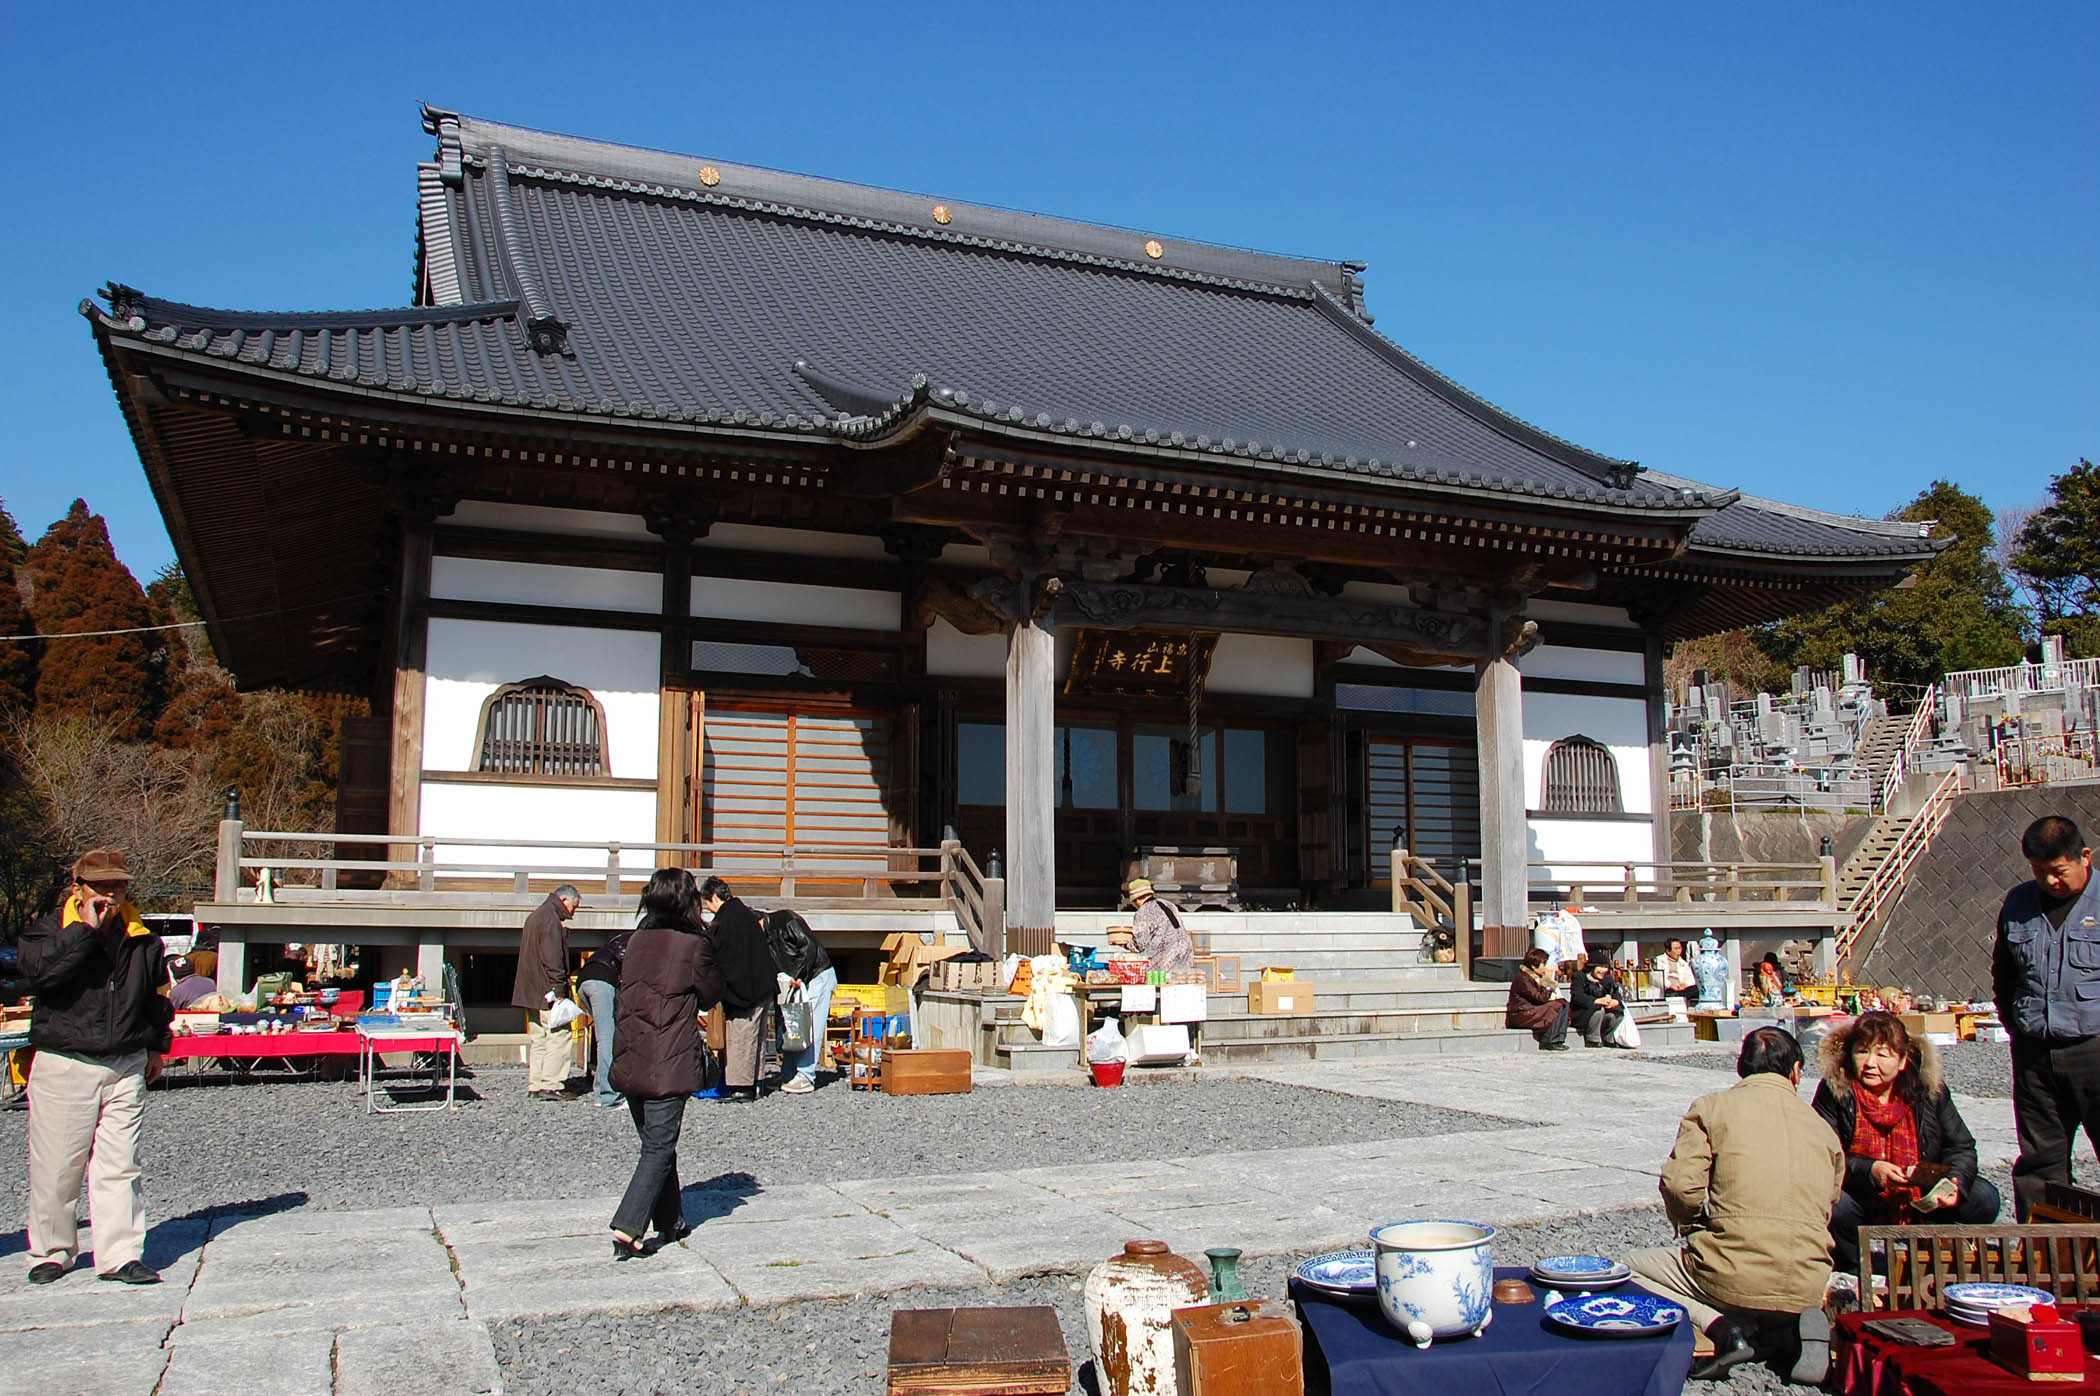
1626, 1034
1105, 1043
797, 1024
1061, 1021
564, 1012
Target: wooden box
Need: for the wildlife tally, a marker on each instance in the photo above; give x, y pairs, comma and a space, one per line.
1252, 1348
927, 1071
1007, 1352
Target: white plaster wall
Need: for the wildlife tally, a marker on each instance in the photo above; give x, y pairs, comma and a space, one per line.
952, 654
1620, 723
516, 810
545, 584
469, 659
1600, 666
792, 603
755, 538
1540, 609
1265, 664
533, 518
1575, 841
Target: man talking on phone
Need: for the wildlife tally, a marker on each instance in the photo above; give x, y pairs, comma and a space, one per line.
99, 1029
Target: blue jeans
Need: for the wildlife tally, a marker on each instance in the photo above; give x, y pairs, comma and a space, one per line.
804, 1062
598, 996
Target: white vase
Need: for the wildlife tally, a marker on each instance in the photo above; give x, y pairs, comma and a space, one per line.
1436, 1279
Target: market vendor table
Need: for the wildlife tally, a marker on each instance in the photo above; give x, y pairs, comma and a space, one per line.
374, 1041
11, 1043
1867, 1365
262, 1046
1365, 1356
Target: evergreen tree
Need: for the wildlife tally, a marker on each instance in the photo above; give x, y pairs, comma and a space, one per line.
77, 585
1954, 612
12, 543
17, 657
2057, 554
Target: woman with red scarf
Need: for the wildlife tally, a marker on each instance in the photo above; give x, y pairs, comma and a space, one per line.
1883, 1094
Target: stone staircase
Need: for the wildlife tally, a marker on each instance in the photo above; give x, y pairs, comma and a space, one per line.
1879, 741
1430, 1012
1340, 948
1872, 852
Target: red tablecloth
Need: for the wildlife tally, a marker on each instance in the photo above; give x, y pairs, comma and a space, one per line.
1871, 1366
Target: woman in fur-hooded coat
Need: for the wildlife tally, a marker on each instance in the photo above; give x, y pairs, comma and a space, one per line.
1883, 1094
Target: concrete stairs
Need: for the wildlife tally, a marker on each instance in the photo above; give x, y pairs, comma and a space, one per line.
1339, 948
1432, 1012
1872, 852
1878, 744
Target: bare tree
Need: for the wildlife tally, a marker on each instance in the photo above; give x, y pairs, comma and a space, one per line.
155, 806
2012, 522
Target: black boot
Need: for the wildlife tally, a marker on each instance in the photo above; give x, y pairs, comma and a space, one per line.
1732, 1348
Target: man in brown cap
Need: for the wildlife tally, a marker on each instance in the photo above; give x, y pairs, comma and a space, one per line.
99, 1029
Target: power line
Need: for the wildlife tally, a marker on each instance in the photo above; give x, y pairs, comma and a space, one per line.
185, 624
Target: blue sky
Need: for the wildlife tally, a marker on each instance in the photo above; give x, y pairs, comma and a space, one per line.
1822, 253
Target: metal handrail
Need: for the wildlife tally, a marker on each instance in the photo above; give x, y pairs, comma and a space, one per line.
1889, 876
1914, 737
2023, 678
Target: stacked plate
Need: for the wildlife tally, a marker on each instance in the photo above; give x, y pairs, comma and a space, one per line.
1972, 1303
1580, 1272
1351, 1274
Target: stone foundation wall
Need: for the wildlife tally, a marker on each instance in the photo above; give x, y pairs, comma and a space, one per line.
1938, 938
1717, 836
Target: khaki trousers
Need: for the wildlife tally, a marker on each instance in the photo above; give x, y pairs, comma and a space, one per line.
1662, 1270
547, 1054
84, 1117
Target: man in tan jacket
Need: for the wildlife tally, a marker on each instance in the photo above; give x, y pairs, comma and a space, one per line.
1750, 1186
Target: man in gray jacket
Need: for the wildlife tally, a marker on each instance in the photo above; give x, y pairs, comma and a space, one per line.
2045, 979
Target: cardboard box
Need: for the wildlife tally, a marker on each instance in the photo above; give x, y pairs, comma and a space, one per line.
1929, 1022
1158, 1042
1285, 996
910, 958
983, 976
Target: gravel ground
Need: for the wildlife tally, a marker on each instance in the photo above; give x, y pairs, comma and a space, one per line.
1971, 1068
209, 1146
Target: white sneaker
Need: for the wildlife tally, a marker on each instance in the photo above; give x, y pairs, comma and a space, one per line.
795, 1085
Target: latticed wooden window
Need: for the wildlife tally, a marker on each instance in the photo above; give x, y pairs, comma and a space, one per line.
542, 727
1581, 778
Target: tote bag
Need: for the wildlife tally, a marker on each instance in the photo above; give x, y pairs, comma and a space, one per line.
797, 1023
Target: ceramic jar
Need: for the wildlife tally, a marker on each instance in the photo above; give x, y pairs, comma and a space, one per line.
1710, 966
1130, 1303
1435, 1278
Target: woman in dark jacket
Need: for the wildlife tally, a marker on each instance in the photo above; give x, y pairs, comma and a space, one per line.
667, 980
1883, 1094
1533, 1003
1597, 1003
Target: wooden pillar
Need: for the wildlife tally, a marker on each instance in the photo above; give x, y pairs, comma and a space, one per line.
1659, 754
1498, 698
411, 646
1031, 786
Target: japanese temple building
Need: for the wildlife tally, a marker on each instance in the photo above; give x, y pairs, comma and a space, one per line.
691, 502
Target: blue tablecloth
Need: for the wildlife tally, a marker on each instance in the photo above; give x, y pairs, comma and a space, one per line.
1519, 1353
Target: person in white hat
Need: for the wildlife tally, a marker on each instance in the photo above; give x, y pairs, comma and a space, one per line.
1156, 930
100, 1026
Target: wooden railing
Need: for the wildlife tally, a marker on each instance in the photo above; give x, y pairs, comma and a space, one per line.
1886, 883
1914, 738
306, 868
1629, 886
1422, 892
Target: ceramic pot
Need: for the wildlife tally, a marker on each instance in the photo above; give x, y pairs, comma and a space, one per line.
1436, 1279
1130, 1303
1225, 1286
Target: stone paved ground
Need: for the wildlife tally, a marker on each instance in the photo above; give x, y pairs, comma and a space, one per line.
788, 1278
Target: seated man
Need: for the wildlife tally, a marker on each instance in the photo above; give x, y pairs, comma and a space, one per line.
189, 985
1750, 1186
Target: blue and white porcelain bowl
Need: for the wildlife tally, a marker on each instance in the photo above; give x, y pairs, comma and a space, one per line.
1436, 1279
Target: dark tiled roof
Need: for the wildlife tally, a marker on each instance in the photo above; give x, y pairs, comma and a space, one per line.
1765, 527
596, 279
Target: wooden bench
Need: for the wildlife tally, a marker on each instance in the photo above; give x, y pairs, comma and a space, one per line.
1921, 1261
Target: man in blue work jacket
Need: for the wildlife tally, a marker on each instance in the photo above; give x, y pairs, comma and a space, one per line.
2045, 977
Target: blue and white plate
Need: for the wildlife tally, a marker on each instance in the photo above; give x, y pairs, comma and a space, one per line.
1578, 1265
1617, 1315
1992, 1296
1341, 1272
